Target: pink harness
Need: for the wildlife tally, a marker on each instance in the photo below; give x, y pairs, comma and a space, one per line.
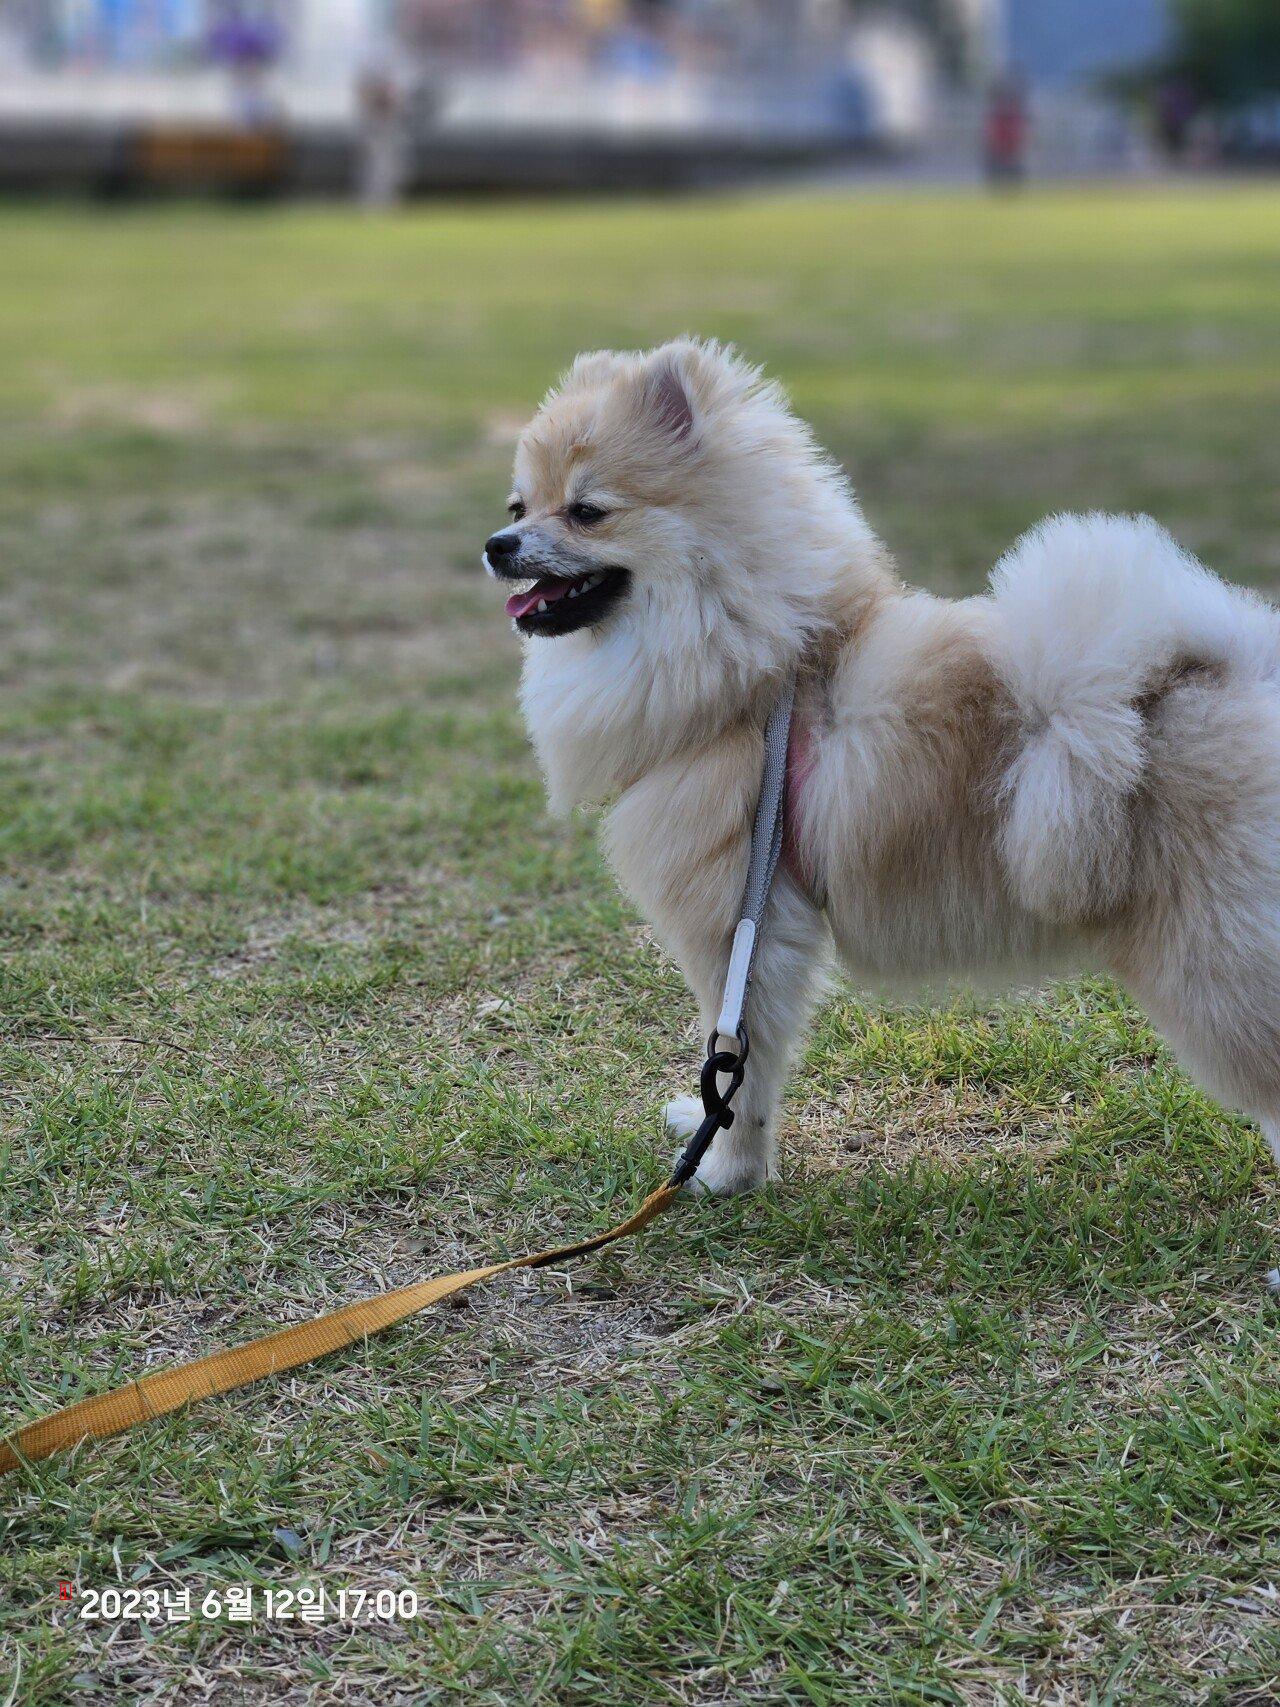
800, 763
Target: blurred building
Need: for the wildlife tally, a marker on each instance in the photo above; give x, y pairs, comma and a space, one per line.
821, 68
760, 81
106, 32
1047, 40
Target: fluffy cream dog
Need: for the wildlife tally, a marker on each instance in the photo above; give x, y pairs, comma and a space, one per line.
1083, 762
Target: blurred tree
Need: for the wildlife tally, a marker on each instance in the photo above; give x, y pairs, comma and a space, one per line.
1227, 51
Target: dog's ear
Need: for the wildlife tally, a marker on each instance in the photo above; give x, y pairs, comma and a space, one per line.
591, 367
667, 398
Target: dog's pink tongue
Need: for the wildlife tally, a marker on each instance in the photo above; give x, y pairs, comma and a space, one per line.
520, 604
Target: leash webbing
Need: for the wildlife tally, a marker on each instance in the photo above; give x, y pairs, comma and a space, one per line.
766, 848
172, 1388
762, 864
222, 1371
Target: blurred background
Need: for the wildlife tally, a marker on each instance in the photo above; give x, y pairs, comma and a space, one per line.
396, 97
305, 994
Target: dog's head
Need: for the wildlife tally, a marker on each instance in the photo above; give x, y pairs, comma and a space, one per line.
602, 474
670, 512
676, 480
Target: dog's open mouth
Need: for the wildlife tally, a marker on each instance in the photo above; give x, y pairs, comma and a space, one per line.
559, 604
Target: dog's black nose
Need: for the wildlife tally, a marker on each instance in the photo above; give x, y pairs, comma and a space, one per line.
500, 546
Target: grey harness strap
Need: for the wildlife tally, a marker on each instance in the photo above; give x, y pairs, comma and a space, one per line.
766, 848
724, 1068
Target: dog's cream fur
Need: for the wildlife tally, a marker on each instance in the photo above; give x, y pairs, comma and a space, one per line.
1082, 762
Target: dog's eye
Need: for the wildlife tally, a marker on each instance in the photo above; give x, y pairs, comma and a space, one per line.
516, 510
586, 514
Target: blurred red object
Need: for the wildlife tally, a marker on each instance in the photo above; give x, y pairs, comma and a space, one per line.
1006, 131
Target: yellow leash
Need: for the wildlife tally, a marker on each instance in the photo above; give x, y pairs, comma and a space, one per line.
220, 1372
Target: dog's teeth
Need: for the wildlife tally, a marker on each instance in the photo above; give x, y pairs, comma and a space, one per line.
542, 605
573, 592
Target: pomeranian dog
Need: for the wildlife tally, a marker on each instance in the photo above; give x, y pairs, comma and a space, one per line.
1080, 765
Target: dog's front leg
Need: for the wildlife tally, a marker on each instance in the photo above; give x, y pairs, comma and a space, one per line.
789, 963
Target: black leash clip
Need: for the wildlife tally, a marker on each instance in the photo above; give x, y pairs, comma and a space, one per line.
715, 1102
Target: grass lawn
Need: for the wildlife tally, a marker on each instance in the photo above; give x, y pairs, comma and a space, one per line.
305, 996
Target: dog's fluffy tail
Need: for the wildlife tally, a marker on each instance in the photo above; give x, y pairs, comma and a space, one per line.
1098, 616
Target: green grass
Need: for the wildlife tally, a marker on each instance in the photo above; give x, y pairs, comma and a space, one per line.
306, 996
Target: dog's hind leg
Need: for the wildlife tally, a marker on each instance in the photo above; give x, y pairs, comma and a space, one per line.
786, 981
1270, 1125
1207, 971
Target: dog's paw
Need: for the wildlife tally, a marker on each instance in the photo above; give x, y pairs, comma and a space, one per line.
724, 1171
730, 1173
